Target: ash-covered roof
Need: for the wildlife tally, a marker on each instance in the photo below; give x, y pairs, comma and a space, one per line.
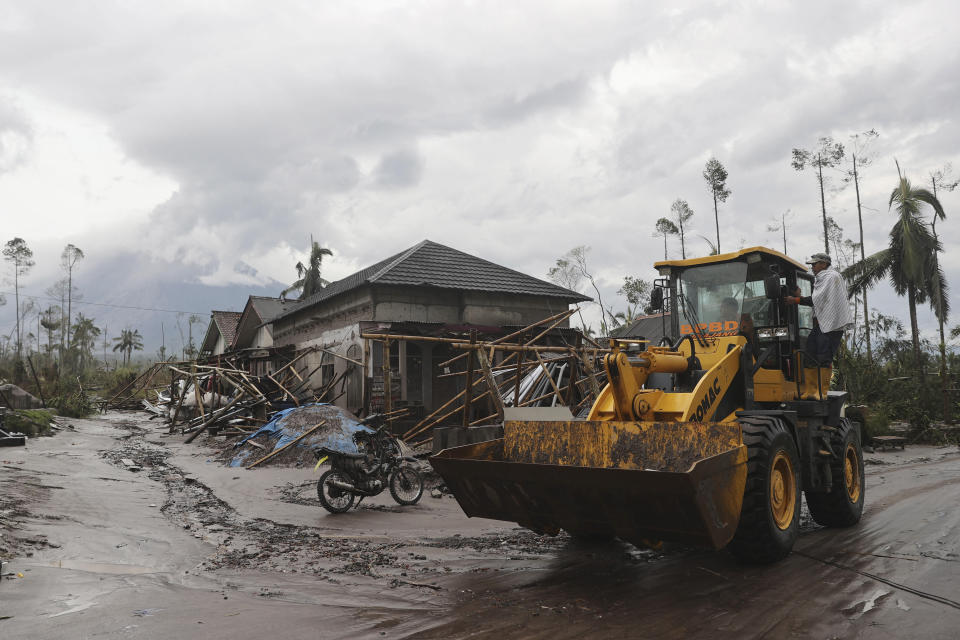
430, 264
225, 323
258, 310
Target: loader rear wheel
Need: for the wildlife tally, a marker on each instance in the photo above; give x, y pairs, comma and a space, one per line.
843, 506
770, 516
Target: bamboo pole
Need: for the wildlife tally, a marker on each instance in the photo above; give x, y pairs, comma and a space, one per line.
412, 433
418, 429
296, 359
468, 388
214, 416
491, 383
516, 388
288, 445
546, 372
501, 369
198, 396
282, 388
337, 355
387, 379
521, 347
567, 313
176, 412
527, 403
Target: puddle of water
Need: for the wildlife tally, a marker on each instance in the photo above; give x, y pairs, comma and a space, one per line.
102, 567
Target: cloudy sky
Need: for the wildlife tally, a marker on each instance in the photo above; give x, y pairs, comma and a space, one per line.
211, 139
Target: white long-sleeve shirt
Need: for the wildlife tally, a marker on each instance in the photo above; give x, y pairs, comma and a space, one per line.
831, 307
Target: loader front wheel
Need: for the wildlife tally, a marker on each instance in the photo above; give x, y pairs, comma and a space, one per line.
770, 516
843, 506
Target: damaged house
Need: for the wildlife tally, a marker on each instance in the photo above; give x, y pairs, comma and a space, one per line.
253, 340
428, 291
220, 333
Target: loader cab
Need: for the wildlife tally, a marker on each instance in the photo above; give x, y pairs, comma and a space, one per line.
736, 298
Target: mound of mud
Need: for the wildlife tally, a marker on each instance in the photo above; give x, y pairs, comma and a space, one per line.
286, 426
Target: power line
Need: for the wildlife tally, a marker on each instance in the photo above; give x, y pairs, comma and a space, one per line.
103, 304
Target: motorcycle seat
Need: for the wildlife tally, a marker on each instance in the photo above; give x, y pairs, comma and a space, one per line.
344, 454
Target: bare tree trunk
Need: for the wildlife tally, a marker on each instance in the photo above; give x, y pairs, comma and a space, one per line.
16, 293
863, 256
823, 206
716, 219
683, 246
69, 302
944, 387
914, 329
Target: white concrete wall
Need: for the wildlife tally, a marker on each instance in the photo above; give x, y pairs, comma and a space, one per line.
263, 337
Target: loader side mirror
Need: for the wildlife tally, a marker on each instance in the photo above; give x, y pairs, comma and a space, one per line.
656, 299
771, 286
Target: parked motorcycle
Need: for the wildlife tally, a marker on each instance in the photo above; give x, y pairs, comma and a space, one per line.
379, 464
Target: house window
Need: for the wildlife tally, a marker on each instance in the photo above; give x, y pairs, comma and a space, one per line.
326, 369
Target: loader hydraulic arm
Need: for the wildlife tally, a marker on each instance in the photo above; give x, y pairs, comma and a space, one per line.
627, 378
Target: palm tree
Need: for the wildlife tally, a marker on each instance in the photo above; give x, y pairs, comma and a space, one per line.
628, 317
309, 281
910, 259
714, 249
83, 340
127, 342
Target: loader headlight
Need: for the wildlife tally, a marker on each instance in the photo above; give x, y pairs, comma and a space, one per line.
772, 333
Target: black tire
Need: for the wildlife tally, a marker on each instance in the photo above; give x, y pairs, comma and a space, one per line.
406, 485
333, 499
770, 516
843, 505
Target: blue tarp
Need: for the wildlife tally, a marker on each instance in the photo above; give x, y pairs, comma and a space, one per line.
337, 434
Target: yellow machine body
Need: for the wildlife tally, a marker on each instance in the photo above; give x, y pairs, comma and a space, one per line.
647, 463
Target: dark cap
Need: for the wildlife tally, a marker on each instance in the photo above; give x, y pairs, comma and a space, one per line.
819, 257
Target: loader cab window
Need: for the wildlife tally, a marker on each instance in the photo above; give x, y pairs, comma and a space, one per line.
723, 297
804, 313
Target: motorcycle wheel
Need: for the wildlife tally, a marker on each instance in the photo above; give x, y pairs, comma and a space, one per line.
333, 499
406, 485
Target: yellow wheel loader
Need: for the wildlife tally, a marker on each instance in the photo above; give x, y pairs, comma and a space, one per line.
707, 439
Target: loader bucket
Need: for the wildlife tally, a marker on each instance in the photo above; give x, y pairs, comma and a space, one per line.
680, 482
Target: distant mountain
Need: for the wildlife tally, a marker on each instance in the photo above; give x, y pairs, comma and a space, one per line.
154, 297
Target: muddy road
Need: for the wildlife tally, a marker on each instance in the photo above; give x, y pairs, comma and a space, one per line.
187, 548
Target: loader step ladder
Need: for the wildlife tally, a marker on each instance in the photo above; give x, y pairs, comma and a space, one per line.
882, 442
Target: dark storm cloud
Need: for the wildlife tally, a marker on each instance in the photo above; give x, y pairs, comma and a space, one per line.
568, 123
399, 169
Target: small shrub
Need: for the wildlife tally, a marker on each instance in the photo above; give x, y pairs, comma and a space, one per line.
29, 422
74, 405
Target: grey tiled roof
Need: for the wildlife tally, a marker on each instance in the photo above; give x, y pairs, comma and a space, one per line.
227, 322
429, 264
644, 328
270, 308
259, 310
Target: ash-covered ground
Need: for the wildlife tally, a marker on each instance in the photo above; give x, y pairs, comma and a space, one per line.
121, 530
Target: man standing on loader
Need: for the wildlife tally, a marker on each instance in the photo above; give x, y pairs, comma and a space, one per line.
831, 310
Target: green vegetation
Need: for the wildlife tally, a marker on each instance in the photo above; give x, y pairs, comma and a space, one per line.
29, 422
57, 361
